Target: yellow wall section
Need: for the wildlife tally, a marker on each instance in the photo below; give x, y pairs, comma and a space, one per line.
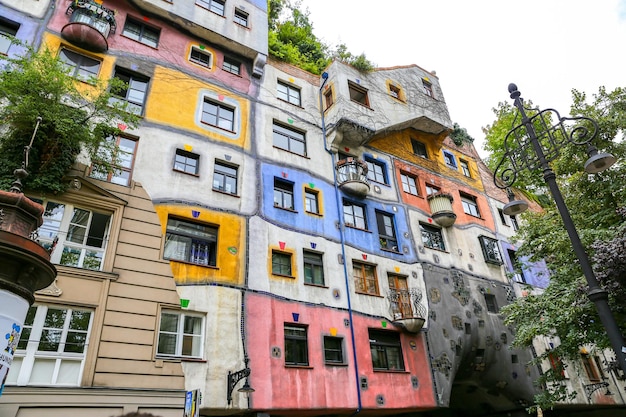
174, 100
230, 246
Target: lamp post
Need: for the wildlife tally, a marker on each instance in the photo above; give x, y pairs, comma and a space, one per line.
533, 144
234, 378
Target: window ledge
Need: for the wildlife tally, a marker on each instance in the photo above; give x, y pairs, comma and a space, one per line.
371, 295
186, 173
298, 366
75, 272
316, 285
335, 364
283, 276
393, 371
191, 263
293, 153
361, 104
284, 208
226, 193
397, 252
288, 102
357, 228
312, 213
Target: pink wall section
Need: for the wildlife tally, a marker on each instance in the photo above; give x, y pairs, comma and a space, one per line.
321, 386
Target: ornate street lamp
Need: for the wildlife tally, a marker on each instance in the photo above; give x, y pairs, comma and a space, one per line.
234, 378
532, 145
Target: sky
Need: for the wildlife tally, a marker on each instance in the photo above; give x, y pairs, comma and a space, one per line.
546, 47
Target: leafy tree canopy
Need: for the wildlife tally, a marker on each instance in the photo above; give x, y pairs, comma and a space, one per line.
596, 204
291, 39
75, 116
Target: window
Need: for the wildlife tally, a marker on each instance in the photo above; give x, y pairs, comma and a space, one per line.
232, 66
400, 297
590, 368
354, 215
134, 91
288, 93
449, 159
311, 201
492, 305
517, 266
386, 231
428, 88
225, 178
313, 268
289, 139
216, 6
365, 280
78, 65
186, 162
200, 57
333, 350
490, 250
502, 218
81, 235
296, 345
281, 263
514, 223
123, 163
409, 183
376, 171
7, 31
283, 194
432, 237
52, 347
190, 242
180, 335
328, 97
358, 94
386, 350
241, 18
419, 148
432, 189
470, 206
557, 365
218, 115
465, 168
141, 32
394, 91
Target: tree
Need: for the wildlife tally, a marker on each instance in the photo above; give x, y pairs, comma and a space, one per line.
597, 206
75, 116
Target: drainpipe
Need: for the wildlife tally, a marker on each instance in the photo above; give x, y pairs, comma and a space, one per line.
343, 246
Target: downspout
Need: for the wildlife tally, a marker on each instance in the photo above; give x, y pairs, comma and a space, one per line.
343, 246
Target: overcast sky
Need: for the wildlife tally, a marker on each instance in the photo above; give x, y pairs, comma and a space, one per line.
478, 47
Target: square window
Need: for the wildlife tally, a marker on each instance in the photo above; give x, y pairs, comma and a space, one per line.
122, 160
201, 57
400, 297
354, 215
432, 237
225, 177
428, 88
241, 18
409, 183
490, 250
194, 243
386, 350
216, 6
365, 279
231, 65
449, 159
432, 189
283, 194
133, 92
465, 168
281, 263
140, 32
288, 93
180, 335
358, 94
490, 301
333, 350
296, 345
394, 91
376, 171
186, 162
311, 201
8, 30
289, 139
386, 231
470, 205
218, 114
78, 65
419, 148
313, 268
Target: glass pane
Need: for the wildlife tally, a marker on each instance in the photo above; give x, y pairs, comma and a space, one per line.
167, 344
169, 322
177, 247
70, 256
16, 365
97, 230
69, 372
75, 342
80, 320
191, 346
193, 325
50, 340
93, 260
55, 318
42, 372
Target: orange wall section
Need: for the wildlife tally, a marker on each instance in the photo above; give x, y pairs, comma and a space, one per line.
230, 246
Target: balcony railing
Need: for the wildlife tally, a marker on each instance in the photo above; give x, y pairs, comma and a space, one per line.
441, 209
90, 25
407, 309
352, 176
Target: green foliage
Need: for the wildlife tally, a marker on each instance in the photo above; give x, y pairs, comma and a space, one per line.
460, 136
75, 116
596, 203
291, 39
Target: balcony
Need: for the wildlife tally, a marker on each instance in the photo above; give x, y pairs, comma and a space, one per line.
441, 209
352, 176
89, 26
407, 309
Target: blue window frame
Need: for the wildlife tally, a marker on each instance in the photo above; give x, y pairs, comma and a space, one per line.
449, 159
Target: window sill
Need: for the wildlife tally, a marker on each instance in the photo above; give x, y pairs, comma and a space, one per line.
362, 104
217, 127
288, 151
288, 102
75, 272
391, 251
335, 364
316, 285
371, 295
437, 249
156, 48
186, 173
312, 213
357, 228
392, 371
191, 263
283, 276
285, 208
232, 73
226, 193
298, 366
242, 26
178, 359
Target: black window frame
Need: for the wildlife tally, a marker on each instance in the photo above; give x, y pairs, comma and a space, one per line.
210, 241
284, 188
333, 350
294, 139
432, 189
431, 236
282, 263
465, 168
376, 170
387, 237
311, 201
221, 111
231, 65
144, 33
206, 63
358, 94
385, 342
181, 162
353, 215
296, 345
214, 6
470, 204
8, 30
428, 88
240, 17
491, 250
313, 261
132, 80
491, 302
286, 92
77, 64
419, 148
223, 175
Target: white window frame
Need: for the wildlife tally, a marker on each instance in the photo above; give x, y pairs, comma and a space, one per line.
409, 183
25, 360
181, 335
470, 205
201, 51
